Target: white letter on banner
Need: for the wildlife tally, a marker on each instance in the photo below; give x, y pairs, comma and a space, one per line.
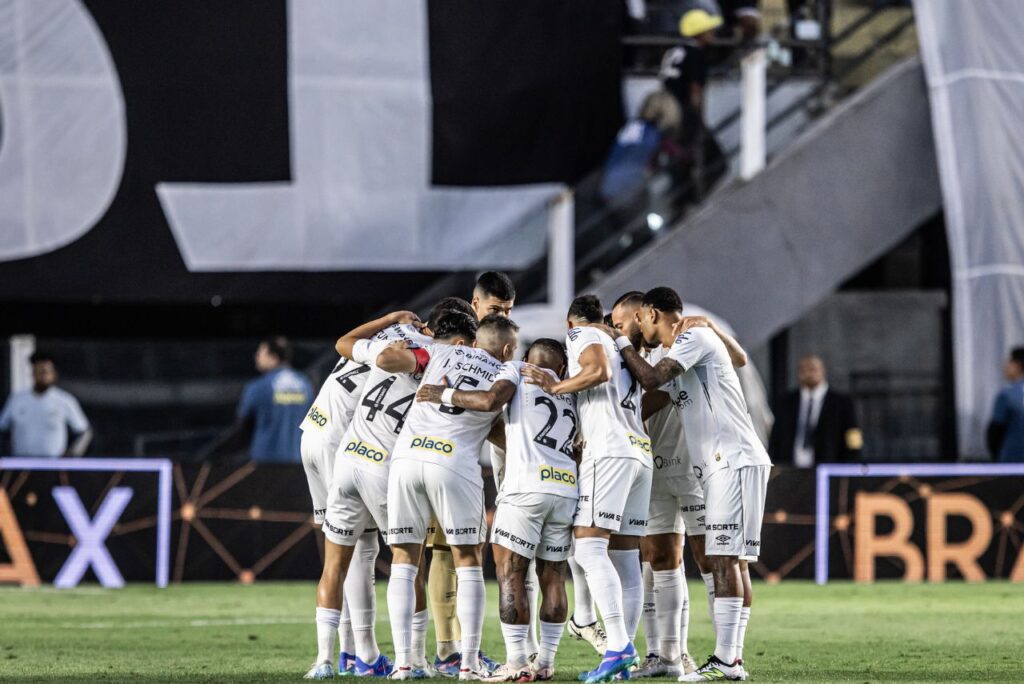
90, 537
63, 139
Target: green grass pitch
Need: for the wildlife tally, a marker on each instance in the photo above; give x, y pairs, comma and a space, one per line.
231, 633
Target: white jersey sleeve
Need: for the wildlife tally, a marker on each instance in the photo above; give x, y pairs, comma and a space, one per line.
539, 432
671, 456
610, 412
448, 435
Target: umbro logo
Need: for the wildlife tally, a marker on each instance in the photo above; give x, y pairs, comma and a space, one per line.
722, 538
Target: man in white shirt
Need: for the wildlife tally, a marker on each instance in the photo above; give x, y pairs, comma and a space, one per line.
615, 479
39, 419
435, 471
727, 457
536, 503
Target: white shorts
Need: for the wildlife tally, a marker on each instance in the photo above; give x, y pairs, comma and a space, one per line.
318, 462
677, 506
356, 502
615, 494
735, 508
418, 490
534, 524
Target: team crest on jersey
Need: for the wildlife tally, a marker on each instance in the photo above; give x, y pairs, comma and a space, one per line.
435, 444
371, 452
641, 443
317, 416
557, 476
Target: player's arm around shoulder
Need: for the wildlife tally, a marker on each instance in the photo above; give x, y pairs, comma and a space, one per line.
345, 344
595, 366
493, 399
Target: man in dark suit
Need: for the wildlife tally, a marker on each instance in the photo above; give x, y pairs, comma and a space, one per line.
814, 424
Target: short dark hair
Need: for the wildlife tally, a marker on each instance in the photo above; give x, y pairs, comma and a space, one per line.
586, 308
40, 356
551, 346
1017, 356
496, 284
632, 297
455, 324
279, 346
663, 299
498, 323
449, 304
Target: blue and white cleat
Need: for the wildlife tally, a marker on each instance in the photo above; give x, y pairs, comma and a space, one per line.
450, 666
381, 667
320, 671
346, 664
613, 664
487, 663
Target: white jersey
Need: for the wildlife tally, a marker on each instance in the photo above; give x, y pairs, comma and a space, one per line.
386, 399
539, 432
665, 428
336, 401
610, 412
447, 435
707, 394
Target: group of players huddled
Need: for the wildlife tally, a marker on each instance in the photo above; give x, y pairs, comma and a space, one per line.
604, 450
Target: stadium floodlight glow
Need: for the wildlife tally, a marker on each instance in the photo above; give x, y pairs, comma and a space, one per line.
822, 518
160, 466
90, 537
655, 222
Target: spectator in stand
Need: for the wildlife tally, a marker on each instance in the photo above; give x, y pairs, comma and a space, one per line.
1006, 429
743, 15
638, 144
815, 424
663, 16
39, 419
275, 403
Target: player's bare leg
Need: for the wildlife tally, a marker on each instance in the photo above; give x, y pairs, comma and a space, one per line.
514, 613
664, 553
554, 609
469, 606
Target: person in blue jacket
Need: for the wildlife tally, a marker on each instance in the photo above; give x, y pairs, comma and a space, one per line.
1006, 430
275, 403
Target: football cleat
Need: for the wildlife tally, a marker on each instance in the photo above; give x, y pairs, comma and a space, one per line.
715, 669
613, 664
346, 664
488, 664
689, 664
320, 671
543, 674
657, 667
507, 673
593, 634
450, 666
381, 667
478, 675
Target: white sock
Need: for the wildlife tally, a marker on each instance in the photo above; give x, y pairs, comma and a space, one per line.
515, 644
401, 606
627, 564
469, 607
419, 637
532, 595
709, 584
649, 614
742, 631
583, 603
668, 588
346, 639
550, 635
326, 634
727, 625
603, 580
361, 598
684, 614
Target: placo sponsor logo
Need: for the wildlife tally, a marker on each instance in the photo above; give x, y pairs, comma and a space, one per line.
370, 452
557, 476
641, 443
317, 417
435, 444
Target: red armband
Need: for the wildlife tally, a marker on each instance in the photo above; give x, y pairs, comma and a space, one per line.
422, 359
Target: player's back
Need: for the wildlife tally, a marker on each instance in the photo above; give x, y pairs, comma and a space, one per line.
539, 433
447, 435
610, 412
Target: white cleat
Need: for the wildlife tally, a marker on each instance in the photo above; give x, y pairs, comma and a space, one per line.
508, 673
656, 667
542, 674
479, 675
593, 634
689, 664
715, 669
320, 671
402, 673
